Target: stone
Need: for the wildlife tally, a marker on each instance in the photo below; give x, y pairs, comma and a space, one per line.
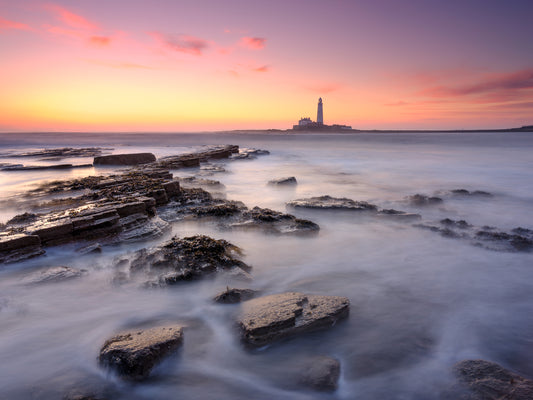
137, 227
322, 373
233, 295
332, 203
172, 188
53, 275
185, 259
266, 319
398, 215
160, 196
423, 200
489, 381
52, 232
22, 219
44, 167
287, 181
125, 159
18, 247
123, 210
133, 355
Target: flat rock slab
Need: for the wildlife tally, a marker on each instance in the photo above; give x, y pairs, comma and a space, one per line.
233, 295
125, 159
19, 247
269, 318
322, 373
489, 381
332, 203
287, 181
133, 354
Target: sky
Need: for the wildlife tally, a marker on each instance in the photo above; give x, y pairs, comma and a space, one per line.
204, 65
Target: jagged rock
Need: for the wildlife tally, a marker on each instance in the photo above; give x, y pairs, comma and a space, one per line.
287, 181
275, 222
322, 373
193, 181
90, 249
53, 275
19, 247
63, 152
400, 215
249, 154
232, 296
52, 232
269, 318
132, 355
464, 192
423, 200
22, 219
124, 159
140, 227
332, 203
489, 381
461, 224
186, 259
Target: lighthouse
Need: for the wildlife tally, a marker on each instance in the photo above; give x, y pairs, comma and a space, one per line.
319, 113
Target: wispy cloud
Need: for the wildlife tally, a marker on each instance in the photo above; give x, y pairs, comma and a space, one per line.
71, 19
263, 68
100, 40
399, 103
182, 43
254, 43
6, 24
118, 64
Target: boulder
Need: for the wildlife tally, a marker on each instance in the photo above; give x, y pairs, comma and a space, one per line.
232, 296
266, 319
489, 381
133, 354
124, 159
332, 203
322, 373
287, 181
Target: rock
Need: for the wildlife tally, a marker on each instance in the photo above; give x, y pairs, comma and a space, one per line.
275, 222
19, 247
489, 381
43, 167
249, 154
322, 373
125, 159
423, 200
132, 355
22, 219
461, 224
52, 232
63, 152
140, 227
123, 210
269, 318
464, 192
172, 188
186, 259
332, 203
400, 215
53, 275
288, 181
232, 296
90, 249
193, 181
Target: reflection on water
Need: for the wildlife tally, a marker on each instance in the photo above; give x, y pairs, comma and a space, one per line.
420, 302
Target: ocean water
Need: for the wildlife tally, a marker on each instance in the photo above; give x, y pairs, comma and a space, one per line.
420, 302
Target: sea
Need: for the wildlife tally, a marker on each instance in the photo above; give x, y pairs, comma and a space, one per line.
420, 301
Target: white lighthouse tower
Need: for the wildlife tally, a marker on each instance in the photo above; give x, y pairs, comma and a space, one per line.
319, 113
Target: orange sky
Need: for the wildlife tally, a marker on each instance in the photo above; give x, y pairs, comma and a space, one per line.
213, 65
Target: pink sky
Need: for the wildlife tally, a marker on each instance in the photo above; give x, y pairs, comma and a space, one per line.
214, 64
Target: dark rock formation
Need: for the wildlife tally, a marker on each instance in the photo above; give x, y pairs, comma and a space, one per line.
269, 318
322, 373
489, 381
232, 296
124, 159
461, 224
63, 152
18, 247
132, 355
419, 200
398, 215
43, 167
186, 259
53, 275
249, 154
194, 159
288, 181
475, 193
332, 203
22, 219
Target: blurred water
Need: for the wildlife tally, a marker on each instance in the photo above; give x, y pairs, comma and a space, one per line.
420, 302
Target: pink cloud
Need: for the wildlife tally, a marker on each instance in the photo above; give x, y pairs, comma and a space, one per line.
6, 24
120, 65
73, 20
263, 68
57, 30
397, 103
182, 43
100, 40
254, 43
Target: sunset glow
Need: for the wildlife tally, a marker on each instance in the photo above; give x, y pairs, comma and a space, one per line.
213, 65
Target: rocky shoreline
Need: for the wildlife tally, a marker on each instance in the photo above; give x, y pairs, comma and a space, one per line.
141, 202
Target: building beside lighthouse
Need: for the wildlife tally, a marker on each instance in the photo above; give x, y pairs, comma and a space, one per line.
307, 124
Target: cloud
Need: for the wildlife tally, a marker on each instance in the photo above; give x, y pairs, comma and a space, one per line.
73, 20
254, 43
100, 40
263, 68
118, 64
397, 103
182, 43
493, 83
6, 24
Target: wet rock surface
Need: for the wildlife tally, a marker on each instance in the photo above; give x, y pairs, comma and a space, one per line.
419, 200
185, 259
266, 319
17, 247
124, 159
62, 152
321, 373
233, 295
486, 380
53, 275
287, 181
332, 203
43, 167
398, 215
132, 355
249, 154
